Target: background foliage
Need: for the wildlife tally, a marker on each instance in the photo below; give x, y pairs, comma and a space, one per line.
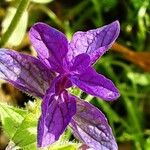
128, 69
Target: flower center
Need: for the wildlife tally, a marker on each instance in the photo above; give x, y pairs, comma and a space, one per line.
63, 83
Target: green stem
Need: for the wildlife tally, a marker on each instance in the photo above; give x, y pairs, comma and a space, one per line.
20, 10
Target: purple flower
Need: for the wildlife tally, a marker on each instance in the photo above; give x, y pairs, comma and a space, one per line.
60, 65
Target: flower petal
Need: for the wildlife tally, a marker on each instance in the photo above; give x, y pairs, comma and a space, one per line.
25, 72
80, 62
91, 127
57, 112
95, 84
50, 45
94, 42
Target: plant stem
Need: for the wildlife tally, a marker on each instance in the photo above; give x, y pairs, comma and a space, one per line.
20, 10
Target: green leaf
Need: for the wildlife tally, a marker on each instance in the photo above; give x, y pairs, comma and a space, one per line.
20, 125
25, 136
42, 1
65, 146
20, 30
11, 118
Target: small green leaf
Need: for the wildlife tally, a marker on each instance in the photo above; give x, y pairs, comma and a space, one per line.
25, 136
65, 146
11, 118
20, 125
42, 1
20, 30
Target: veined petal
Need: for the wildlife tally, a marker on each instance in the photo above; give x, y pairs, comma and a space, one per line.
95, 84
94, 42
57, 112
25, 72
80, 63
91, 127
50, 44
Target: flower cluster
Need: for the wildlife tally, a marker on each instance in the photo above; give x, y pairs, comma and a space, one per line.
60, 65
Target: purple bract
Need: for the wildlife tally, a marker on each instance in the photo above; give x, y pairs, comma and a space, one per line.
60, 65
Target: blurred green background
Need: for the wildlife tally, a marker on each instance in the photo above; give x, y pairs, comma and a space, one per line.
127, 64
